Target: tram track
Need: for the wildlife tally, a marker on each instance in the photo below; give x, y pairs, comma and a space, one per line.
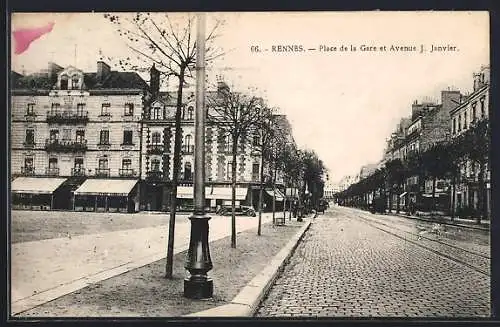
471, 259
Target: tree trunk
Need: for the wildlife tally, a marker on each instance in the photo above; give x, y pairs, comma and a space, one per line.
274, 195
390, 198
453, 195
398, 200
261, 191
175, 177
481, 197
233, 193
434, 194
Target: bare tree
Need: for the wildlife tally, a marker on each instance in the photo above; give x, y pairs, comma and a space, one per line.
235, 114
169, 43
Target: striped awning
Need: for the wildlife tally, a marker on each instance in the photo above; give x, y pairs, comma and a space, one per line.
279, 196
36, 185
218, 193
109, 187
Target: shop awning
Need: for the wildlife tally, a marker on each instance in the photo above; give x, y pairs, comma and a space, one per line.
109, 187
219, 193
36, 185
427, 195
279, 196
403, 194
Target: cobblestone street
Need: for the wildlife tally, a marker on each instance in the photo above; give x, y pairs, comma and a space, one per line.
345, 267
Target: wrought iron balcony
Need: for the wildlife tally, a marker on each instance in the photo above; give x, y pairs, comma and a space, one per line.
102, 172
52, 171
155, 149
65, 145
78, 171
127, 172
187, 149
154, 175
30, 116
67, 117
28, 171
29, 145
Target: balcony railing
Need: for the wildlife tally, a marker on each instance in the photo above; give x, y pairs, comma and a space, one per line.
30, 145
78, 171
30, 116
127, 172
102, 172
154, 175
28, 171
187, 149
68, 117
52, 171
155, 148
65, 145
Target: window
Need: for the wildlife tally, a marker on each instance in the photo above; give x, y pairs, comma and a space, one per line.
156, 138
104, 137
105, 109
64, 82
228, 144
474, 116
129, 109
188, 143
188, 175
190, 113
54, 135
78, 164
482, 108
155, 165
66, 134
156, 114
465, 120
74, 82
454, 126
459, 123
127, 163
55, 108
80, 136
30, 136
80, 108
30, 110
127, 138
52, 163
103, 163
229, 170
256, 140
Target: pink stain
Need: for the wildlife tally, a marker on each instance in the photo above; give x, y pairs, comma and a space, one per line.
25, 36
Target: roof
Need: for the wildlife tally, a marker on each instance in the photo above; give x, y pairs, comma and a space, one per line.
36, 185
114, 80
110, 187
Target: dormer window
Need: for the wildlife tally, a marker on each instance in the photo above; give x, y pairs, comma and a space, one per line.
64, 82
190, 113
156, 114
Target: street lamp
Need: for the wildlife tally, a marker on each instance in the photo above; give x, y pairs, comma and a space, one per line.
198, 262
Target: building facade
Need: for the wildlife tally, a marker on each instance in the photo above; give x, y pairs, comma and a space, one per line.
71, 125
474, 108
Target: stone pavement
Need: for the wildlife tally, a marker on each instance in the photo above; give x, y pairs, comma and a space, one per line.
347, 268
44, 270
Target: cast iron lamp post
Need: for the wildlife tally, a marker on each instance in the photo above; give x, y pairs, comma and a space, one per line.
198, 262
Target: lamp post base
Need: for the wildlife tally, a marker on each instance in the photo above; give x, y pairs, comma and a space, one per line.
196, 288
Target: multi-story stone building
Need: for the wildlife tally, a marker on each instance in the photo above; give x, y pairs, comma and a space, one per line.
158, 134
75, 138
429, 124
473, 108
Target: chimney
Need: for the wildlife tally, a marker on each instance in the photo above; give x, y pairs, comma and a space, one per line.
154, 82
103, 71
450, 99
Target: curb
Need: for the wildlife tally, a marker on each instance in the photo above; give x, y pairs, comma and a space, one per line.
246, 302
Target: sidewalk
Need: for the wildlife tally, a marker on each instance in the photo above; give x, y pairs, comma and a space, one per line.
44, 270
471, 223
145, 292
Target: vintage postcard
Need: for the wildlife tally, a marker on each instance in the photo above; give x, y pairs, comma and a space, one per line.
262, 164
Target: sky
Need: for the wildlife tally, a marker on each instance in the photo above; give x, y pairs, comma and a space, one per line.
342, 104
